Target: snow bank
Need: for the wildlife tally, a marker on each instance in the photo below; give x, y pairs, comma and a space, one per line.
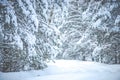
68, 70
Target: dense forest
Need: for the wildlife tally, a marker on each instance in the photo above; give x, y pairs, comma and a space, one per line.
32, 32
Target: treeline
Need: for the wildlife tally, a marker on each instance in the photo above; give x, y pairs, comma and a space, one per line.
92, 31
32, 32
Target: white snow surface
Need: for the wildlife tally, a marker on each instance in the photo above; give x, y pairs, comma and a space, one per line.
68, 70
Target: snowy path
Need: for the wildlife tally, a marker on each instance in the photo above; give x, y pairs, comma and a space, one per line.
68, 70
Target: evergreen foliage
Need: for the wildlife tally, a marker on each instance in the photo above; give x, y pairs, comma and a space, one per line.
32, 32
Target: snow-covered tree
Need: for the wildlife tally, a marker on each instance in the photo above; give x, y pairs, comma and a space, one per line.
29, 33
103, 15
35, 31
10, 43
19, 23
89, 30
73, 29
48, 36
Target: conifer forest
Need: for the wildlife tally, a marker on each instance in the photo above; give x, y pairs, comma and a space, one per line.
35, 32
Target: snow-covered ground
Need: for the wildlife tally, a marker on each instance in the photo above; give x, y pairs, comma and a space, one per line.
68, 70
